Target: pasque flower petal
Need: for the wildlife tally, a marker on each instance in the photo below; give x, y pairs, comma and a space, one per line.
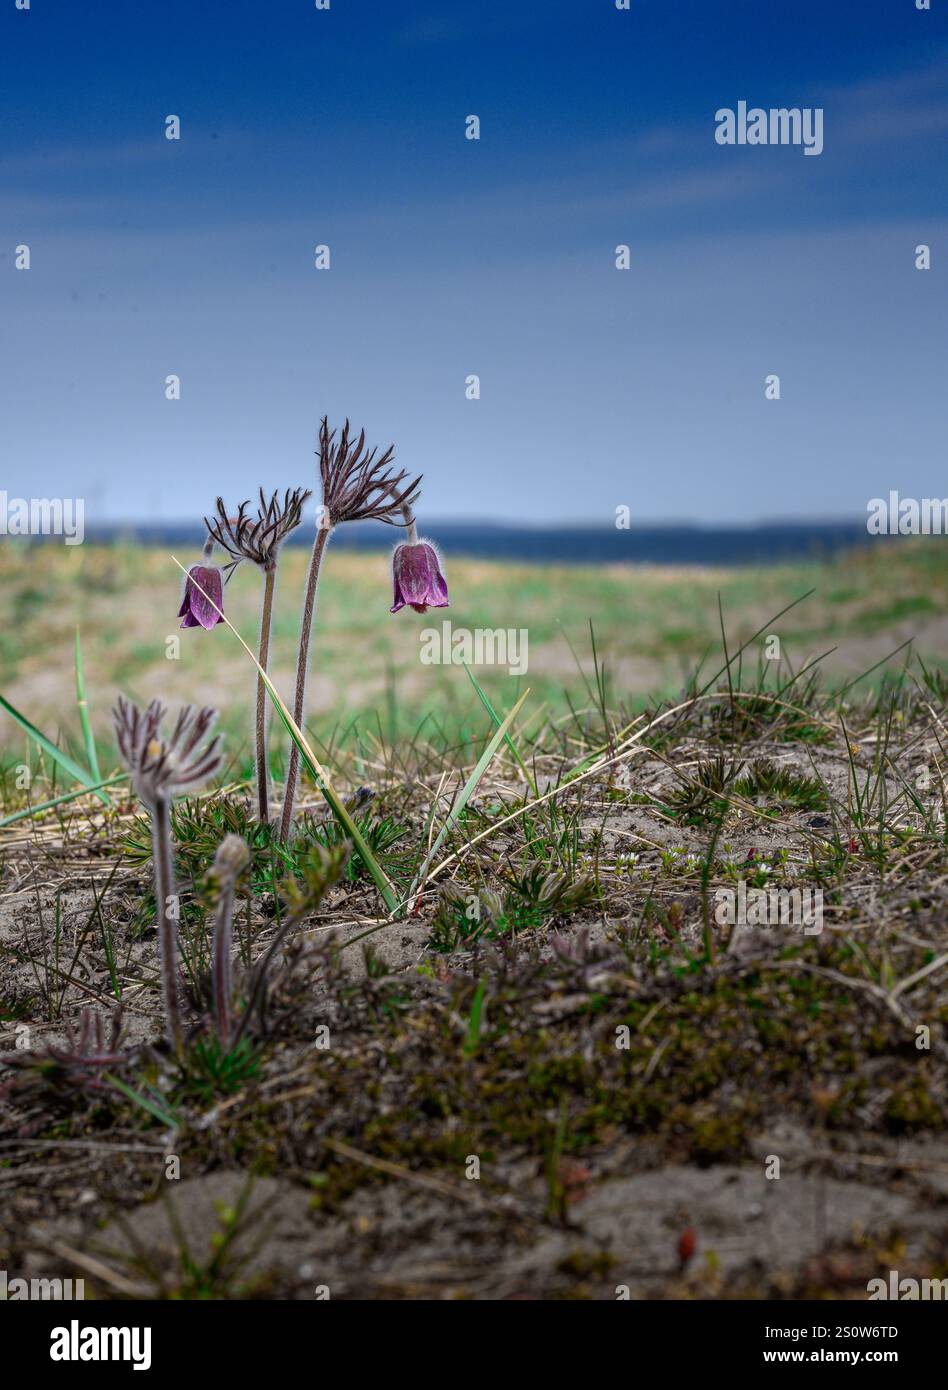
417, 578
196, 609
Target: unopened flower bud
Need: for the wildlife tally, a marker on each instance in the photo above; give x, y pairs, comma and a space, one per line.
232, 857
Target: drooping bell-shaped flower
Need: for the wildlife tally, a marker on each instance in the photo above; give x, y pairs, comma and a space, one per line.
196, 610
416, 571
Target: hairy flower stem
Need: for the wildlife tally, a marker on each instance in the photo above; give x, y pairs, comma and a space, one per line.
263, 767
411, 527
221, 972
231, 859
302, 663
166, 915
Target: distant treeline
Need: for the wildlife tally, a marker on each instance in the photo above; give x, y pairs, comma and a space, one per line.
670, 544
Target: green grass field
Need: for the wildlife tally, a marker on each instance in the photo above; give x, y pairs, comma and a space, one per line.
653, 627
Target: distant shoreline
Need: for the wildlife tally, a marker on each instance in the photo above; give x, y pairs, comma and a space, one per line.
669, 544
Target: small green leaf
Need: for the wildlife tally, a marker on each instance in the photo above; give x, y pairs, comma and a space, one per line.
474, 1022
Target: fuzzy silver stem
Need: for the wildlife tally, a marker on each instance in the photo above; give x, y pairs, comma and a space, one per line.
410, 526
302, 662
167, 929
260, 723
221, 972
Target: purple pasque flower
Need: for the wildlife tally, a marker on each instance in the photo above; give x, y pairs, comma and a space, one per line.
161, 765
257, 539
195, 609
358, 486
416, 571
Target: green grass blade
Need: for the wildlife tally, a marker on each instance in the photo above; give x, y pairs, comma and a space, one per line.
474, 1022
77, 773
88, 737
467, 792
59, 800
336, 805
166, 1118
496, 718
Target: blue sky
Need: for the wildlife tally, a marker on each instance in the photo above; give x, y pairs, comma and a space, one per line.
494, 257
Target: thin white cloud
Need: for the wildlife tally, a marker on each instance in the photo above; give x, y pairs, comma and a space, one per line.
130, 154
